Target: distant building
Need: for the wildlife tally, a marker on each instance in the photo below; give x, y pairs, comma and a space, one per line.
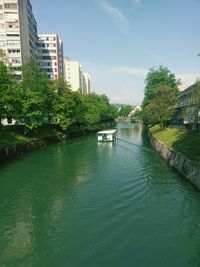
86, 83
185, 109
18, 33
51, 60
74, 75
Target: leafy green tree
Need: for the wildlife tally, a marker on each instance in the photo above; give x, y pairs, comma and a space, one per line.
125, 111
156, 78
67, 104
9, 94
32, 96
97, 110
160, 109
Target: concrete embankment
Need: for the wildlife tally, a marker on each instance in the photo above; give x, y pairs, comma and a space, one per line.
188, 168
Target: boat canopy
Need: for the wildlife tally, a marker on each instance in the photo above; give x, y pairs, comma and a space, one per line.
112, 131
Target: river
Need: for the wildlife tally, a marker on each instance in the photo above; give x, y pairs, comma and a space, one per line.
82, 203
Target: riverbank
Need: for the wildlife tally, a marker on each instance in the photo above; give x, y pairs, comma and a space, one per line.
13, 141
180, 148
185, 141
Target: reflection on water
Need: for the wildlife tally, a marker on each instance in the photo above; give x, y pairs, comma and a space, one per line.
85, 203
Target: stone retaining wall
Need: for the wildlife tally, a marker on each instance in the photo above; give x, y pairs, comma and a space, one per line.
188, 168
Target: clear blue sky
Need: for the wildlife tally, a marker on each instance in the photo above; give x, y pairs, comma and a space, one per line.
117, 41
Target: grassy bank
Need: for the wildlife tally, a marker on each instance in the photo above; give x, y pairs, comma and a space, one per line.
15, 135
184, 141
9, 137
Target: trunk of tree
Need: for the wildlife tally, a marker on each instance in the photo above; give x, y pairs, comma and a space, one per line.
49, 119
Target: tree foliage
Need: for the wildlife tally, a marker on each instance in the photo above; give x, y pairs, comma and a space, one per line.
160, 109
156, 78
36, 101
9, 93
125, 111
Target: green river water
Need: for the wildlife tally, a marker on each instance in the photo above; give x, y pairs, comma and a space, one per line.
83, 203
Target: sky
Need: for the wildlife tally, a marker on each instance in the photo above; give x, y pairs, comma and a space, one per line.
118, 41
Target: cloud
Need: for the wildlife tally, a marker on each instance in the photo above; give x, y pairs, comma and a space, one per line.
131, 71
187, 79
136, 3
117, 17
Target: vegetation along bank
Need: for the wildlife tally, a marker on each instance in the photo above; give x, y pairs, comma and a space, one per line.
173, 121
45, 111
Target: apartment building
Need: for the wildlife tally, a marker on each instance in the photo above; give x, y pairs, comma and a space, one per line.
86, 83
18, 33
50, 49
74, 75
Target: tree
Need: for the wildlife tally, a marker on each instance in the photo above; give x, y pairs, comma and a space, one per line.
97, 110
160, 109
125, 111
156, 78
9, 93
67, 104
32, 95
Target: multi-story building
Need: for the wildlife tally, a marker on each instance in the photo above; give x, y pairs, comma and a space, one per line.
186, 112
51, 60
74, 75
86, 83
18, 33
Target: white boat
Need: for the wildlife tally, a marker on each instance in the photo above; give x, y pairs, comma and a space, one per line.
107, 135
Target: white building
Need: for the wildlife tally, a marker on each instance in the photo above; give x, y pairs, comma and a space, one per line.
51, 60
74, 75
86, 83
18, 33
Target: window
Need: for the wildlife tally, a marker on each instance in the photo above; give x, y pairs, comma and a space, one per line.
46, 58
13, 51
12, 35
16, 60
45, 51
13, 43
1, 15
10, 5
1, 7
17, 68
1, 25
13, 25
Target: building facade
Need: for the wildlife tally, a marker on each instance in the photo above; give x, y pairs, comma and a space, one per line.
86, 83
186, 112
18, 33
74, 75
50, 49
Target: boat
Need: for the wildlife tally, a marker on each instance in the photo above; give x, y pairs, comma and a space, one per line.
107, 135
